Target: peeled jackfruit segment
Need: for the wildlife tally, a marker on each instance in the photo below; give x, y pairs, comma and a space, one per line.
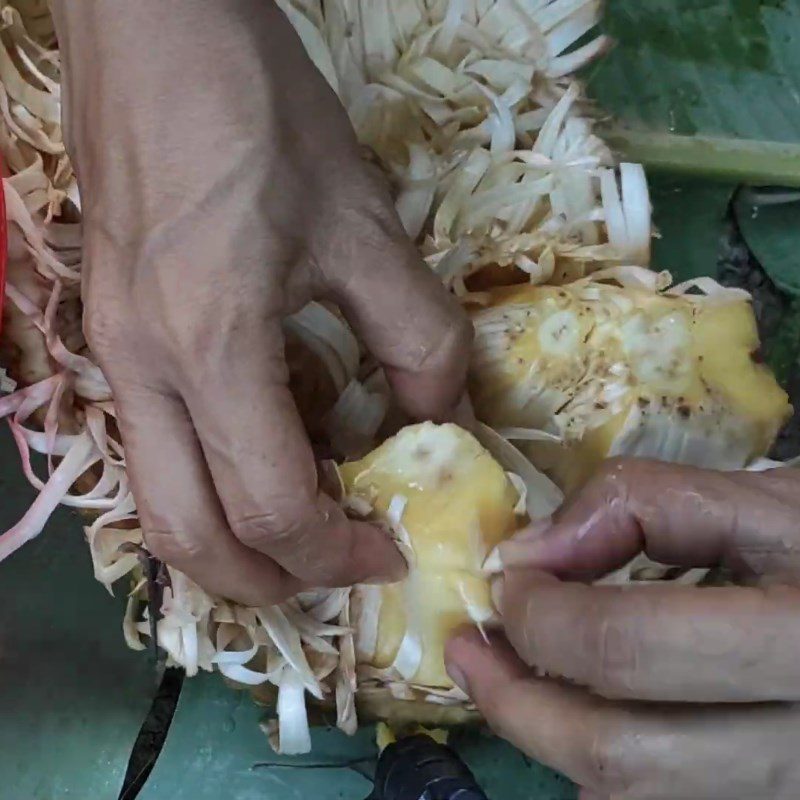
608, 371
449, 503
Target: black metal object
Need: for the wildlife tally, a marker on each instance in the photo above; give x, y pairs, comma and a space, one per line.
157, 579
418, 768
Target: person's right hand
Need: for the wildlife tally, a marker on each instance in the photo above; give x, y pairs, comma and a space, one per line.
223, 189
653, 691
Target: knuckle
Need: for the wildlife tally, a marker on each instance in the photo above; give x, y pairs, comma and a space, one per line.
373, 193
613, 641
368, 218
292, 539
278, 527
103, 330
376, 177
604, 769
610, 486
617, 472
255, 529
617, 664
451, 348
457, 342
624, 488
614, 464
174, 547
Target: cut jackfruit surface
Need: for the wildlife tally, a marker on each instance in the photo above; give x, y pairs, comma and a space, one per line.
453, 501
622, 371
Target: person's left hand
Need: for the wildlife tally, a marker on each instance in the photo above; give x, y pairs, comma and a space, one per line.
653, 691
214, 207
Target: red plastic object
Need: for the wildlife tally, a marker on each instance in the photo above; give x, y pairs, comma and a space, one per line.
3, 250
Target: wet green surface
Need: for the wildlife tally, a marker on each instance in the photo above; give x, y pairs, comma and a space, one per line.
215, 749
72, 697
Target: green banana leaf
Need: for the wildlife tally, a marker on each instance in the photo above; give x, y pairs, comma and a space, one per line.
708, 87
706, 93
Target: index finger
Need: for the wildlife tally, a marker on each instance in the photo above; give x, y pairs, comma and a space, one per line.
264, 472
183, 522
746, 521
665, 643
408, 320
627, 750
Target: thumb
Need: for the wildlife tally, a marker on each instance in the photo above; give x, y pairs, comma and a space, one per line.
552, 723
480, 667
407, 319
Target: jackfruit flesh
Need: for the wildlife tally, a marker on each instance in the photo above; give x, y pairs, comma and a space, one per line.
458, 504
621, 371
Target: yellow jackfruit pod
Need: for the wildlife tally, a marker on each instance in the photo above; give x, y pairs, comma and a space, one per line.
595, 369
448, 502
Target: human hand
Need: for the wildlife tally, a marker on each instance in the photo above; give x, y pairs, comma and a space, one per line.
222, 190
653, 691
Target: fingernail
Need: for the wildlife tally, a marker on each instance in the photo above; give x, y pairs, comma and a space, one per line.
458, 677
498, 586
395, 577
535, 551
400, 573
533, 530
382, 580
493, 563
463, 414
461, 648
330, 481
519, 554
